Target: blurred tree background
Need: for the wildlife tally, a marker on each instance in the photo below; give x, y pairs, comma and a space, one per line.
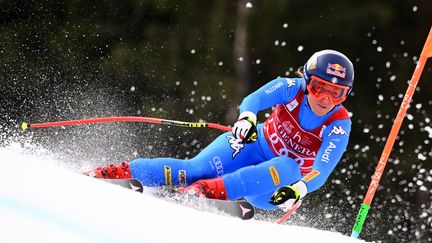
196, 60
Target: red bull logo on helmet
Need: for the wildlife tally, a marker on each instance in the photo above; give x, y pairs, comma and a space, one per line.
336, 70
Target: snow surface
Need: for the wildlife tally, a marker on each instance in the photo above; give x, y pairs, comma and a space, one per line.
41, 201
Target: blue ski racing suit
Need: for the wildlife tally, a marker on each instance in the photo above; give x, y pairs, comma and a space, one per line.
293, 144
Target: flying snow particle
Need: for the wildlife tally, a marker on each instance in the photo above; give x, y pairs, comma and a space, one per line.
429, 130
415, 9
421, 157
300, 48
388, 64
132, 88
249, 5
285, 25
419, 183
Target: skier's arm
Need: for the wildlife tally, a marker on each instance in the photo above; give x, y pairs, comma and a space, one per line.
335, 141
277, 91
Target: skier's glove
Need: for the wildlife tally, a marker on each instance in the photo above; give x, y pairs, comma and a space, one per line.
245, 128
285, 197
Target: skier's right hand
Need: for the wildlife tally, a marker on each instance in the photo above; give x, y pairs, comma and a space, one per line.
245, 128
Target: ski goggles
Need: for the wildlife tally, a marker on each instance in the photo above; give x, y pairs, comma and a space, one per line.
319, 88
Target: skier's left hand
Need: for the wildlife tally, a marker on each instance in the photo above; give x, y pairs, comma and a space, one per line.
285, 197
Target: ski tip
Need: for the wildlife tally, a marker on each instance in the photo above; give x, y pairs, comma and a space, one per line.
24, 126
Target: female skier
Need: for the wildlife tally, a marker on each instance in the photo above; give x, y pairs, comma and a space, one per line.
272, 164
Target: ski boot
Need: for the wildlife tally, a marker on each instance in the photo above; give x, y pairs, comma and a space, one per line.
112, 171
210, 188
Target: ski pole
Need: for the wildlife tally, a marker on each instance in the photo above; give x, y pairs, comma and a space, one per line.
289, 213
361, 217
26, 125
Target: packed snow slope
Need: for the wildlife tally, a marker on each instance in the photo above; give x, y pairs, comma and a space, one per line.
40, 201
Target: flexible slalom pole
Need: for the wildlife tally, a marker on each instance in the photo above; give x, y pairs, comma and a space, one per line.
361, 217
289, 213
26, 125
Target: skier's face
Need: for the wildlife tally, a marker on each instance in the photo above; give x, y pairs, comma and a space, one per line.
320, 105
324, 95
319, 88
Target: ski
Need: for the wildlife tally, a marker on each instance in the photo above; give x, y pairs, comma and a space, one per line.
132, 184
240, 209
